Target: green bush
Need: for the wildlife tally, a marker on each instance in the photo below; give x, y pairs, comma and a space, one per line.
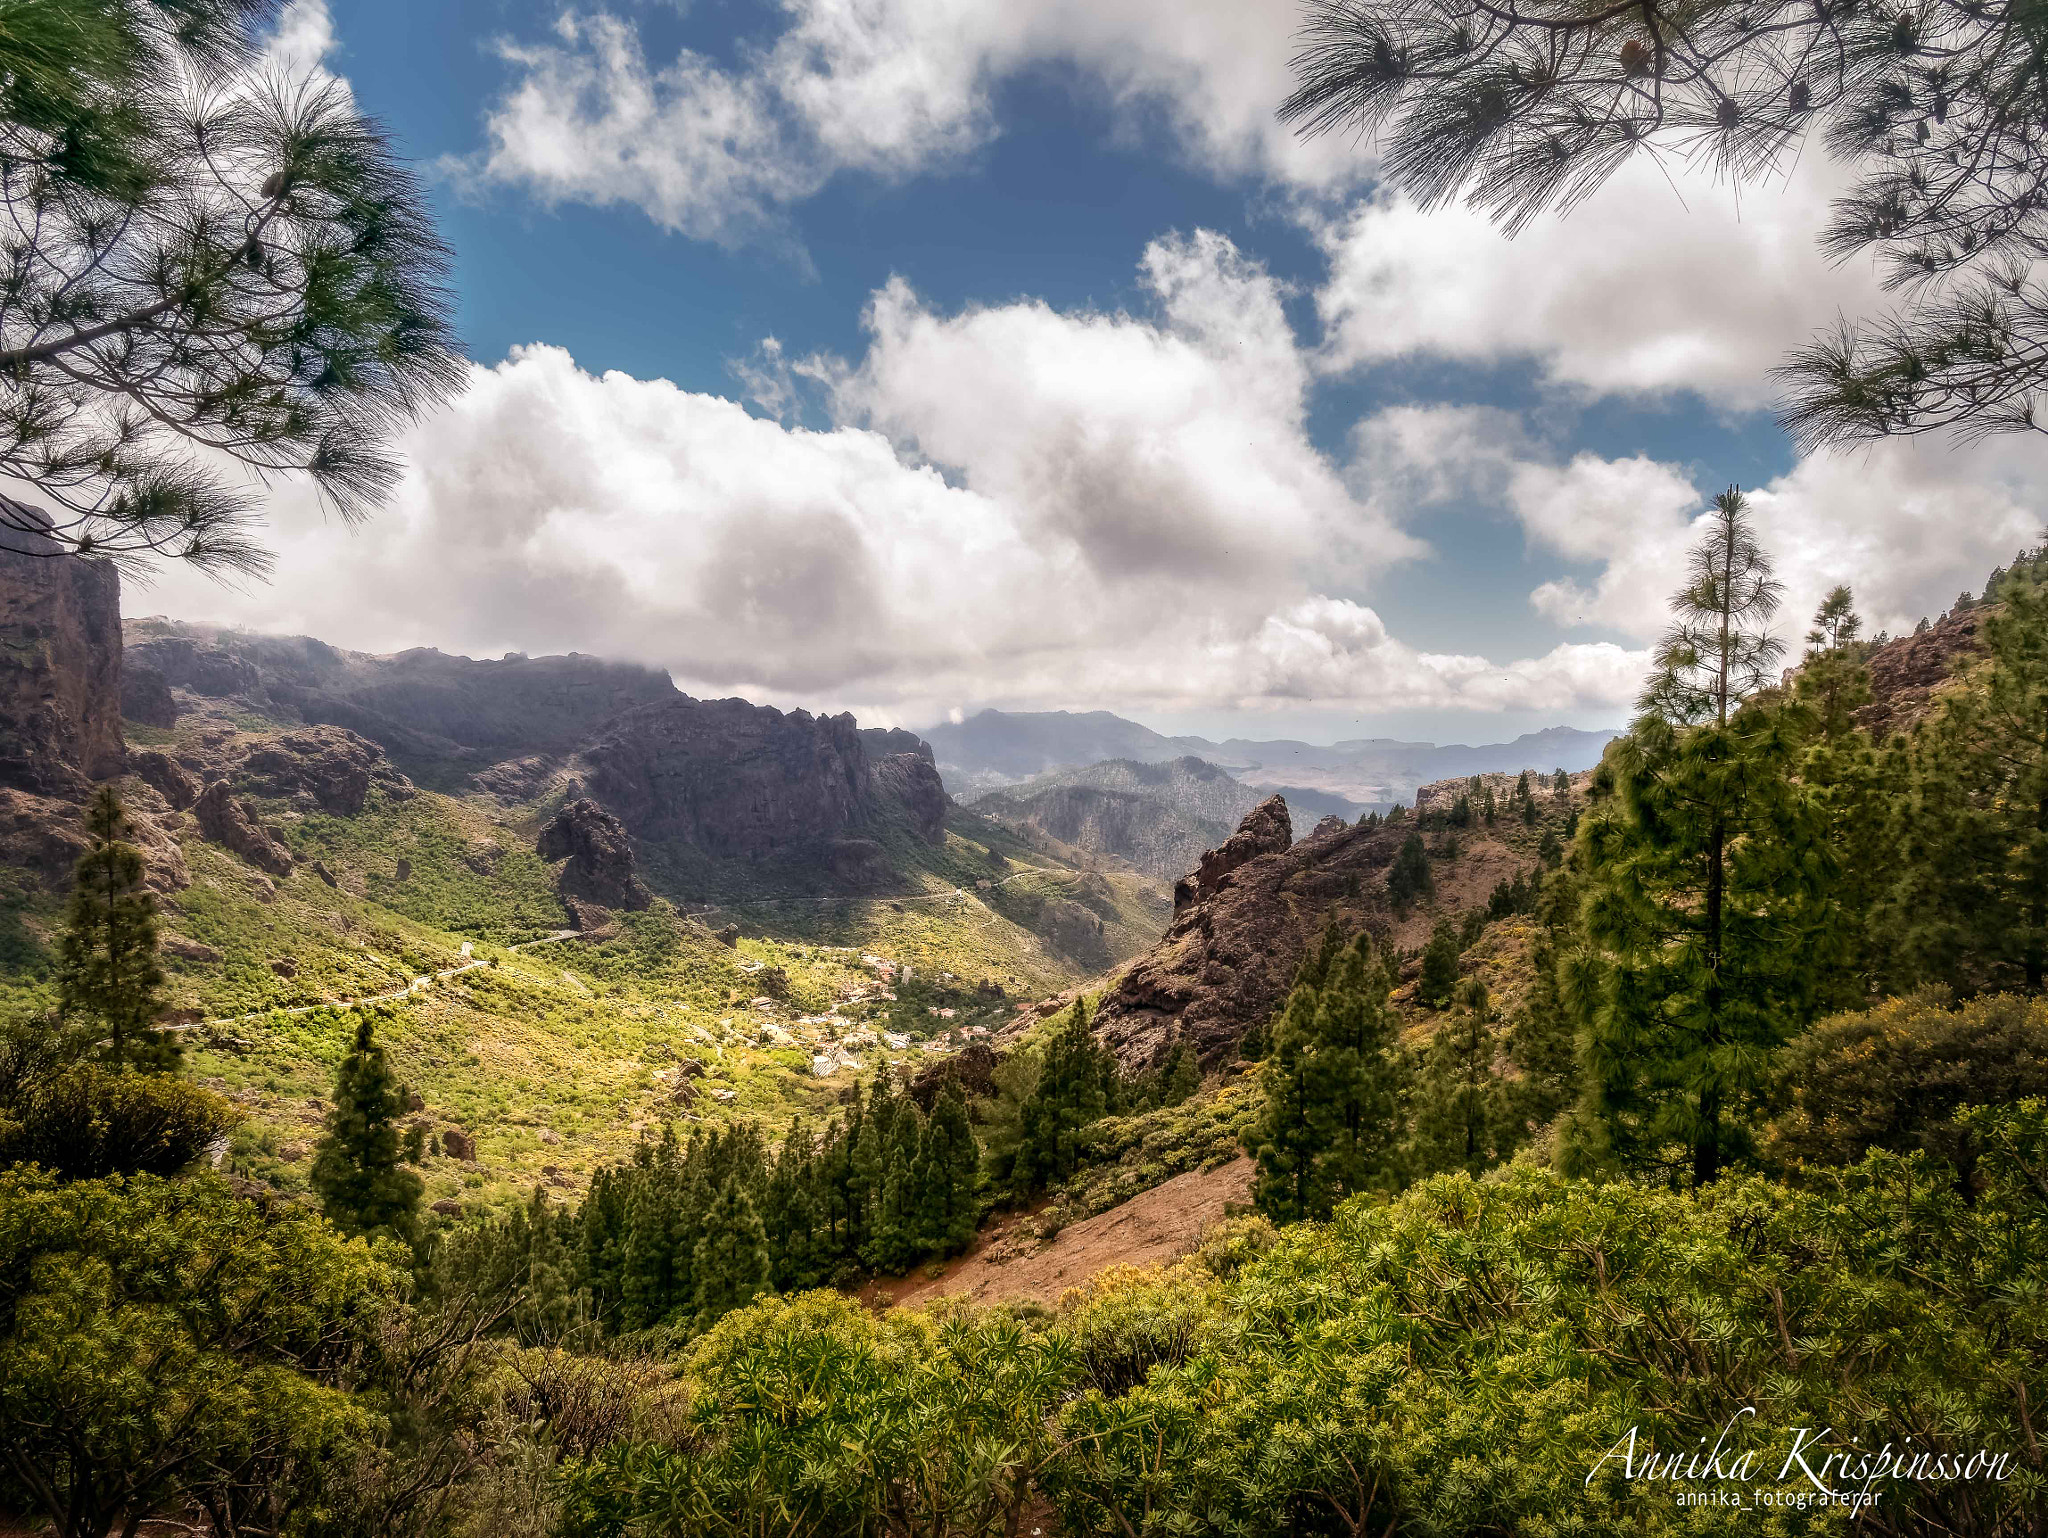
88, 1122
165, 1343
1893, 1077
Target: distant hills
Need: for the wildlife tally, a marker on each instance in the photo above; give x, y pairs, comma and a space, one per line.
1159, 817
1000, 748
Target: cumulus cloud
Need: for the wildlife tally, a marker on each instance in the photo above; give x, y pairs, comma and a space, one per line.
1022, 507
1657, 283
1905, 525
887, 87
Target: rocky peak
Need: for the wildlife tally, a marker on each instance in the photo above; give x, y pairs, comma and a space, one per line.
598, 858
60, 661
1266, 829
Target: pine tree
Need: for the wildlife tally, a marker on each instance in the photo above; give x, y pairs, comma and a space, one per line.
1072, 1092
1355, 1081
1439, 966
1856, 788
1408, 878
729, 1263
107, 970
1284, 1139
1461, 1119
953, 1207
1487, 809
363, 1188
1180, 1072
1974, 898
1706, 871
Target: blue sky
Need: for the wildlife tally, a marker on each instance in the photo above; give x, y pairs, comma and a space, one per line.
1088, 386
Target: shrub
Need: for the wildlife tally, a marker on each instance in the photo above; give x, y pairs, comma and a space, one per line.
1893, 1077
88, 1122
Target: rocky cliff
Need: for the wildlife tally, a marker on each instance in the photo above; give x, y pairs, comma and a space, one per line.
437, 715
734, 779
60, 662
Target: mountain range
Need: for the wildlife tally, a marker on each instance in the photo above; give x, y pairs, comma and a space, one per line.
1000, 748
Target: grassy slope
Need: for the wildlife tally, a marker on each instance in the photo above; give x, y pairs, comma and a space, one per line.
561, 1055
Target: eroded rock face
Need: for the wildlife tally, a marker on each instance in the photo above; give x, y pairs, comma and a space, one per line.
225, 821
163, 774
1229, 955
45, 836
1266, 829
146, 696
210, 670
600, 866
328, 766
60, 662
1905, 673
911, 780
860, 863
728, 777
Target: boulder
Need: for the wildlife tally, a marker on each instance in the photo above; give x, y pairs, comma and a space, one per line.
598, 866
60, 661
223, 820
457, 1144
166, 776
146, 696
187, 950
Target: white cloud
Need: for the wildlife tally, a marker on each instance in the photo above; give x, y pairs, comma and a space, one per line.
887, 87
1907, 524
1134, 517
1652, 285
301, 40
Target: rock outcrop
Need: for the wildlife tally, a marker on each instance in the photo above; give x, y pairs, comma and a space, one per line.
598, 858
45, 836
328, 767
1240, 926
60, 661
1905, 673
179, 786
1266, 829
910, 780
739, 780
225, 821
146, 695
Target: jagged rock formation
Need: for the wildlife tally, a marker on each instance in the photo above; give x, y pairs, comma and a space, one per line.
728, 777
1265, 830
599, 866
60, 663
882, 741
45, 836
327, 766
225, 821
146, 696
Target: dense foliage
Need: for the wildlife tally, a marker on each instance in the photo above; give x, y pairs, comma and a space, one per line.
107, 970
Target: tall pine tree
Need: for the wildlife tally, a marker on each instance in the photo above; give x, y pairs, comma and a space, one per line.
1072, 1092
1461, 1117
363, 1188
1706, 869
107, 970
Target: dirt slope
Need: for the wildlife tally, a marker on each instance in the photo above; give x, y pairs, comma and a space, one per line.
1151, 1229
